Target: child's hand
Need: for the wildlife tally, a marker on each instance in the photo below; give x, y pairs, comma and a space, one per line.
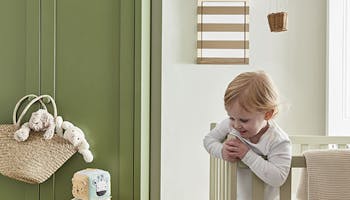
239, 149
228, 151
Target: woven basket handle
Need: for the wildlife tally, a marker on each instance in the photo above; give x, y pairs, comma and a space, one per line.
14, 115
31, 103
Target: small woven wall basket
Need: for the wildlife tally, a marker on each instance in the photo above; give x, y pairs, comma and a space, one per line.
36, 159
277, 21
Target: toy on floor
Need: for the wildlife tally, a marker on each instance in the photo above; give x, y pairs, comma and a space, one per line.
91, 184
40, 120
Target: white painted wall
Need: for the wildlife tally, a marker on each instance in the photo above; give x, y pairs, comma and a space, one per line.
192, 95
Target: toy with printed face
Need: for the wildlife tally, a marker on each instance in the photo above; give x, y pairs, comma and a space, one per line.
101, 184
91, 184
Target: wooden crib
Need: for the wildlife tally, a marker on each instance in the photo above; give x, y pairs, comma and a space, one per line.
223, 180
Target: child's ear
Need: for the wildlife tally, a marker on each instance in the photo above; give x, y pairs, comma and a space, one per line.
269, 114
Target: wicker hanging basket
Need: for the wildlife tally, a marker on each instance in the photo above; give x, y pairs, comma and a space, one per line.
277, 21
36, 159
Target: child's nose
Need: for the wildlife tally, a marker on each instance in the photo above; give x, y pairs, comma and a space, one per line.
236, 124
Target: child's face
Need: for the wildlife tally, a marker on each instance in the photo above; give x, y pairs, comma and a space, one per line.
249, 124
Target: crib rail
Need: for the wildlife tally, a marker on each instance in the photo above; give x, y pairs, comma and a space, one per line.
223, 179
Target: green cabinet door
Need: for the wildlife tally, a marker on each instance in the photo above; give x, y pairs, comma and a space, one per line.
81, 52
87, 84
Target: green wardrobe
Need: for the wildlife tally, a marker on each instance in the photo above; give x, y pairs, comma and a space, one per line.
93, 57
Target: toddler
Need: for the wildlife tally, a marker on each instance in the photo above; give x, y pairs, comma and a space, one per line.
251, 102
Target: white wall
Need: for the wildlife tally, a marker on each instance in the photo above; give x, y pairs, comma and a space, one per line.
192, 95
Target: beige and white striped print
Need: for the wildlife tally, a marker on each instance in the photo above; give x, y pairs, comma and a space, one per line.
223, 27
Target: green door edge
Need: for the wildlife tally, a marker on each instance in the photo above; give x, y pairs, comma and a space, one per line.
142, 99
127, 85
135, 18
156, 85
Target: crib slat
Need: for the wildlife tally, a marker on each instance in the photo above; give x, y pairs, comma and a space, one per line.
298, 162
222, 191
216, 179
225, 180
304, 147
309, 139
296, 149
229, 184
233, 182
258, 187
286, 188
212, 177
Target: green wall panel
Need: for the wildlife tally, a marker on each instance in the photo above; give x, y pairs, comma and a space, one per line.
12, 55
87, 89
13, 71
126, 101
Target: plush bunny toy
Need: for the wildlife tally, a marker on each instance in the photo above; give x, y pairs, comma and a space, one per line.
40, 120
77, 137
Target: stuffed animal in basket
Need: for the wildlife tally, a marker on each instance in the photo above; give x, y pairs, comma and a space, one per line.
40, 120
77, 137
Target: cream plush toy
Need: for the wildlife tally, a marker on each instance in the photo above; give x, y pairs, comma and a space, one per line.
77, 137
58, 128
40, 120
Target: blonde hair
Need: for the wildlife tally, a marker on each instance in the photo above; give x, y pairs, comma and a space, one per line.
254, 91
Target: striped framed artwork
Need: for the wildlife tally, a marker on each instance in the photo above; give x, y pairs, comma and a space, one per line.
223, 27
